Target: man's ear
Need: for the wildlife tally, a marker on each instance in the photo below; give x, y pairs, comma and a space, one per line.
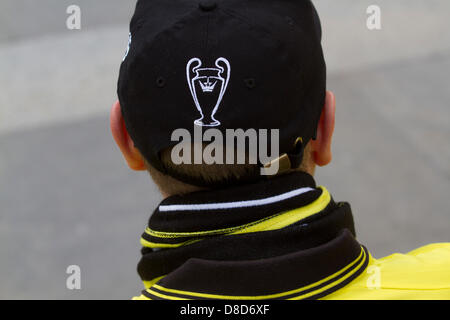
123, 140
321, 147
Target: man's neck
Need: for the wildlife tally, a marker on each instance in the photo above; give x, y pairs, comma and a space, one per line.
307, 169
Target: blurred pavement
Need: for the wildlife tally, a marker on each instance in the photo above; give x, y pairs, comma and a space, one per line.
68, 198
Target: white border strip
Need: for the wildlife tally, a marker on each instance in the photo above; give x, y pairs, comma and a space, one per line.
235, 204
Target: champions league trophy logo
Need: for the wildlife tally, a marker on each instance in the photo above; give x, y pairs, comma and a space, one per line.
207, 86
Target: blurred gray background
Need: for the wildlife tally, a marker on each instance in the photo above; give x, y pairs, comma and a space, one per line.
67, 197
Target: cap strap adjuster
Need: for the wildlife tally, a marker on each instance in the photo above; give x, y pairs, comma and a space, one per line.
283, 162
288, 161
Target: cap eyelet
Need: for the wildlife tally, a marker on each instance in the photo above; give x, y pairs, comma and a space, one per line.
289, 20
250, 83
160, 82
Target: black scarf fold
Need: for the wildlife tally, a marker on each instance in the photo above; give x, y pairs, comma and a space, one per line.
184, 227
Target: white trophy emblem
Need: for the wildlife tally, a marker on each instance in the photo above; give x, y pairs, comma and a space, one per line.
207, 86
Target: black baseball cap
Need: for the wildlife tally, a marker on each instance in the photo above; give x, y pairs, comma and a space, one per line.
227, 64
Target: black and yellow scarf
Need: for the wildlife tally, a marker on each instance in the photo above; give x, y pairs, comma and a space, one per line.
281, 238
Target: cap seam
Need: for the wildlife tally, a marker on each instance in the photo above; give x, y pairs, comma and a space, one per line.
258, 28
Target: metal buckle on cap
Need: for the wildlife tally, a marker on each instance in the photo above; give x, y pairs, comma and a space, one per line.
284, 161
299, 139
284, 164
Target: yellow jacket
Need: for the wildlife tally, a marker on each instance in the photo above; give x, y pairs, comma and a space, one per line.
423, 273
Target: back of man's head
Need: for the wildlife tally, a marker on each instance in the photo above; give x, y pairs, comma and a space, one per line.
196, 72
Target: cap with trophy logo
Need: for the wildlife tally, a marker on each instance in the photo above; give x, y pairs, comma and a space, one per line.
224, 64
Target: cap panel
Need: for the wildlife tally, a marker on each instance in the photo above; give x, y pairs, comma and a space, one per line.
276, 76
296, 25
151, 76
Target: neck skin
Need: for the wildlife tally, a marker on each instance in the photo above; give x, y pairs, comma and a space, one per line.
191, 188
169, 186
